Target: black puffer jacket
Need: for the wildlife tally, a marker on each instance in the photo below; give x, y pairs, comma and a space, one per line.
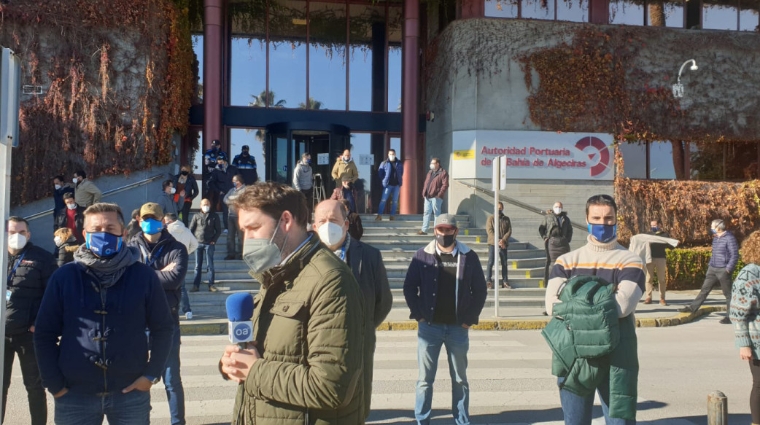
206, 227
66, 251
26, 287
166, 251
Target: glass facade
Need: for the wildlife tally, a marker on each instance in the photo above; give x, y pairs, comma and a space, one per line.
551, 10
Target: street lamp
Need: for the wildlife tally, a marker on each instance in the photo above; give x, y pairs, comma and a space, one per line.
678, 87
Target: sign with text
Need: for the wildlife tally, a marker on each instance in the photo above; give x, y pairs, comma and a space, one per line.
323, 158
533, 155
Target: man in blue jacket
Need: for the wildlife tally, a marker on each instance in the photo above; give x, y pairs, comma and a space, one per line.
168, 257
391, 173
725, 255
445, 290
99, 306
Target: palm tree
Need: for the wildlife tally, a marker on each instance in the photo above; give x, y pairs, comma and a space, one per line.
312, 104
267, 99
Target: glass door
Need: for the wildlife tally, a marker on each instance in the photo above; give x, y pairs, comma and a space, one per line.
279, 153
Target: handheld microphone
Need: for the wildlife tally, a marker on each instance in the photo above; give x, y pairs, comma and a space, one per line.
239, 312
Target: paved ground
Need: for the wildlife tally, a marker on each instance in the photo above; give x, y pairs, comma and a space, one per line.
509, 377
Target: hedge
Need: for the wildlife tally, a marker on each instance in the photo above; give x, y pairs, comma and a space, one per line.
687, 267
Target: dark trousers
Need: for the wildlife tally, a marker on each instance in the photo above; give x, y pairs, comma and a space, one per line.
225, 215
502, 263
23, 345
208, 250
713, 277
234, 237
551, 258
754, 396
309, 194
186, 212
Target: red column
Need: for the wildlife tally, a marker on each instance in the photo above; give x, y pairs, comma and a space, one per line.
599, 12
410, 189
213, 34
472, 9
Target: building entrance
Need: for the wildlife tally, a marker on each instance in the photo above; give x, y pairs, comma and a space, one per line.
286, 142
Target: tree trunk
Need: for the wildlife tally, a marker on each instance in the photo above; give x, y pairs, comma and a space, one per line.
656, 13
678, 159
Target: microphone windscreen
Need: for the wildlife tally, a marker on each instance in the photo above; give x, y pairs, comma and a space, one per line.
240, 307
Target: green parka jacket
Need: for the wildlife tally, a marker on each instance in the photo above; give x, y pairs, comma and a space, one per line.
591, 344
308, 324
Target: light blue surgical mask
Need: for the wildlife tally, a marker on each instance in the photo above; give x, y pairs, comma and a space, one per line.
151, 226
603, 232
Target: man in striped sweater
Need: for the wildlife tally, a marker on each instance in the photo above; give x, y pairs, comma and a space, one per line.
602, 256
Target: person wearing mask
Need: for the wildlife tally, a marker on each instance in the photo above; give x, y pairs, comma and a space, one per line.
345, 167
604, 258
366, 262
445, 290
235, 236
85, 191
166, 200
391, 174
184, 236
745, 316
345, 191
505, 231
72, 217
207, 228
133, 227
221, 183
658, 264
433, 191
308, 325
355, 228
105, 294
168, 258
66, 244
303, 180
210, 164
29, 268
557, 233
246, 163
725, 255
185, 182
60, 188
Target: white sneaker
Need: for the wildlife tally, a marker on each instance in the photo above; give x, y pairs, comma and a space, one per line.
188, 315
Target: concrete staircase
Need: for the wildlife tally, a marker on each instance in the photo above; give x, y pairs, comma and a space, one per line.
397, 240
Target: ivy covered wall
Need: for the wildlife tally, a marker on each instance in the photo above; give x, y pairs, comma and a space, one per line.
116, 80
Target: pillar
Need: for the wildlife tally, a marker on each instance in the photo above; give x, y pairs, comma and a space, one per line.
410, 189
379, 83
599, 12
213, 36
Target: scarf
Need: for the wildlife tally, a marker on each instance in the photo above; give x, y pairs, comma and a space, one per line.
107, 271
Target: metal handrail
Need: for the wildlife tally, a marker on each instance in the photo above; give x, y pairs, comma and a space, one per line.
106, 193
516, 203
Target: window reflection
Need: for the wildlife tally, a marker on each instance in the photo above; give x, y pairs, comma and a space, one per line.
501, 8
360, 67
287, 52
634, 160
572, 10
720, 16
327, 56
626, 12
198, 50
538, 9
661, 161
748, 15
395, 21
248, 67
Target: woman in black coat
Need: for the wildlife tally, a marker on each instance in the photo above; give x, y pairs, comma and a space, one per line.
186, 181
67, 245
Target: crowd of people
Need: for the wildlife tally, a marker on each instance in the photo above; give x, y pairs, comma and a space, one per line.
97, 324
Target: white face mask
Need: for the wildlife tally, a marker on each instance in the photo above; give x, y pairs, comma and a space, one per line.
58, 187
346, 158
16, 241
75, 180
330, 233
557, 210
392, 157
205, 208
173, 191
58, 241
71, 206
432, 167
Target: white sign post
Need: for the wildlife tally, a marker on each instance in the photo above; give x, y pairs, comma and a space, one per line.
499, 183
10, 87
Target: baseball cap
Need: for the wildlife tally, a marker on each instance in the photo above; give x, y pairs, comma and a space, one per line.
245, 148
152, 209
216, 142
446, 220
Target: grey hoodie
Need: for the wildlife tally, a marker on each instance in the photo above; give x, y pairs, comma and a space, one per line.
302, 179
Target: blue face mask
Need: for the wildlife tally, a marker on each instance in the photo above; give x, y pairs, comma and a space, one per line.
713, 231
151, 226
103, 244
654, 229
603, 232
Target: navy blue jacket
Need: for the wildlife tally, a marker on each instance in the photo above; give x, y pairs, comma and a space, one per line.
246, 164
58, 198
103, 346
725, 252
384, 172
421, 284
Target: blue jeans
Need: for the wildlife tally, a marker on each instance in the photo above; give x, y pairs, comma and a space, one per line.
132, 408
430, 338
432, 206
208, 249
503, 263
578, 410
389, 191
175, 393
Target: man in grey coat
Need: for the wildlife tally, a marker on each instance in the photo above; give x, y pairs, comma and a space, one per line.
303, 180
331, 224
166, 200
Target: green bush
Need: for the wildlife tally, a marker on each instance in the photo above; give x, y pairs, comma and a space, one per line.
687, 267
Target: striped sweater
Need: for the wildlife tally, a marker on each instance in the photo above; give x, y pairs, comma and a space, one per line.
611, 262
744, 308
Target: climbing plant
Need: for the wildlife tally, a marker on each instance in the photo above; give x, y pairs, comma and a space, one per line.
117, 83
